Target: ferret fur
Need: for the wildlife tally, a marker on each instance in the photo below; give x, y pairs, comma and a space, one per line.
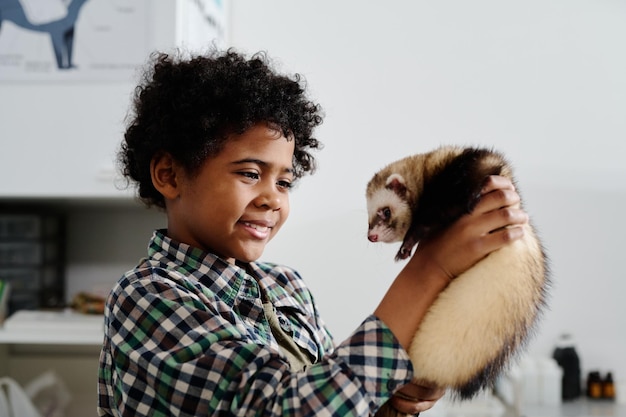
486, 315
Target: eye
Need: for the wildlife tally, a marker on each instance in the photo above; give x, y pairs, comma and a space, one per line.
249, 174
384, 213
284, 184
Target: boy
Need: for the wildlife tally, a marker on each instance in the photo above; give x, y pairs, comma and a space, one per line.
200, 327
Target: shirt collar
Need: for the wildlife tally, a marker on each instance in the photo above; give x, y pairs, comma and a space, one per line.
222, 278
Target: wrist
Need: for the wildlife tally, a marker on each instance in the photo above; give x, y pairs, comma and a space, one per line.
429, 268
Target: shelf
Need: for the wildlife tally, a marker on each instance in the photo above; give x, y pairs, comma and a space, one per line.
52, 328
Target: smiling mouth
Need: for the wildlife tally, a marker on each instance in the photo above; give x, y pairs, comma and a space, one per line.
257, 227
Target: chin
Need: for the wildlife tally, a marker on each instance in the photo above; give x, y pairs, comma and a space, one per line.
250, 255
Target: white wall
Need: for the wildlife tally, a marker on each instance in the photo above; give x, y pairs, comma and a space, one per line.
541, 80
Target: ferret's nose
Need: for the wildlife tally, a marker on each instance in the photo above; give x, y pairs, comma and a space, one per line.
373, 238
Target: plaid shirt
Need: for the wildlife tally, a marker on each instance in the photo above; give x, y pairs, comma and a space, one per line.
185, 335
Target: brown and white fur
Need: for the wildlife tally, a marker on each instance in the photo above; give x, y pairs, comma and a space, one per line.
485, 316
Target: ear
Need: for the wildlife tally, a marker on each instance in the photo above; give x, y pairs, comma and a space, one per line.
396, 183
164, 171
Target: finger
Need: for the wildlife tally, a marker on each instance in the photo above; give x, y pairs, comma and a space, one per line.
494, 230
495, 199
411, 407
494, 182
482, 224
415, 392
505, 235
430, 393
498, 222
414, 398
502, 218
500, 238
404, 406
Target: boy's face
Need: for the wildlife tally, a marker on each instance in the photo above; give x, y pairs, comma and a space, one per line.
239, 199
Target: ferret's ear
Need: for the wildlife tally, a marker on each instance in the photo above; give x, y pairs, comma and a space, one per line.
396, 183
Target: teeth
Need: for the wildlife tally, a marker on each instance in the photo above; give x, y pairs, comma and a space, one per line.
257, 227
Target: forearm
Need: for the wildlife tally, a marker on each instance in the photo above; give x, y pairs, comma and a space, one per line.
410, 295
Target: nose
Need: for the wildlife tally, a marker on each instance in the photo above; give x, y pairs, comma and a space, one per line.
270, 198
373, 237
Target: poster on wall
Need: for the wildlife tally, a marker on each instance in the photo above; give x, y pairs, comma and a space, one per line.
93, 40
52, 40
203, 23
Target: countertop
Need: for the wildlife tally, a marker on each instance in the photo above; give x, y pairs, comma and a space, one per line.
577, 408
490, 406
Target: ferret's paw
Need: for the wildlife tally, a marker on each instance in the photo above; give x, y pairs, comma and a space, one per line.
403, 253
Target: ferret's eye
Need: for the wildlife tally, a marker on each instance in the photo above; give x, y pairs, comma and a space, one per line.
385, 213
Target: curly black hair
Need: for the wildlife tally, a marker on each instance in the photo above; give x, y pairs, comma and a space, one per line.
188, 107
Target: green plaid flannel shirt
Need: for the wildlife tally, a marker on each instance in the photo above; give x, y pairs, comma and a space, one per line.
185, 335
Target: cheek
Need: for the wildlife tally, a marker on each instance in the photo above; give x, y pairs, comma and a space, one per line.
284, 214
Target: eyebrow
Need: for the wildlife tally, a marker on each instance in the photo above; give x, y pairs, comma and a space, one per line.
259, 162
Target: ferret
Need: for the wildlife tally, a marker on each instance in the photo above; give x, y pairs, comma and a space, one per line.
485, 316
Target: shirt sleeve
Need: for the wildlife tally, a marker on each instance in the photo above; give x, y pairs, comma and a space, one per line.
168, 352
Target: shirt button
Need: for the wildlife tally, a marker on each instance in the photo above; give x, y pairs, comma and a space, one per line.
285, 325
391, 385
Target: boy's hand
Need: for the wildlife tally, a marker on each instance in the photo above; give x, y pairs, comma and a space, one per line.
413, 398
496, 221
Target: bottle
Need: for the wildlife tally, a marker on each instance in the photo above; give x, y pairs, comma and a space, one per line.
551, 376
567, 358
594, 385
608, 387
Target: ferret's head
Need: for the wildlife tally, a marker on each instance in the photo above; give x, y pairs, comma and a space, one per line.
388, 209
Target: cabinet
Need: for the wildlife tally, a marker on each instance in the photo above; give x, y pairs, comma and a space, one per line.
103, 240
32, 259
60, 140
63, 342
